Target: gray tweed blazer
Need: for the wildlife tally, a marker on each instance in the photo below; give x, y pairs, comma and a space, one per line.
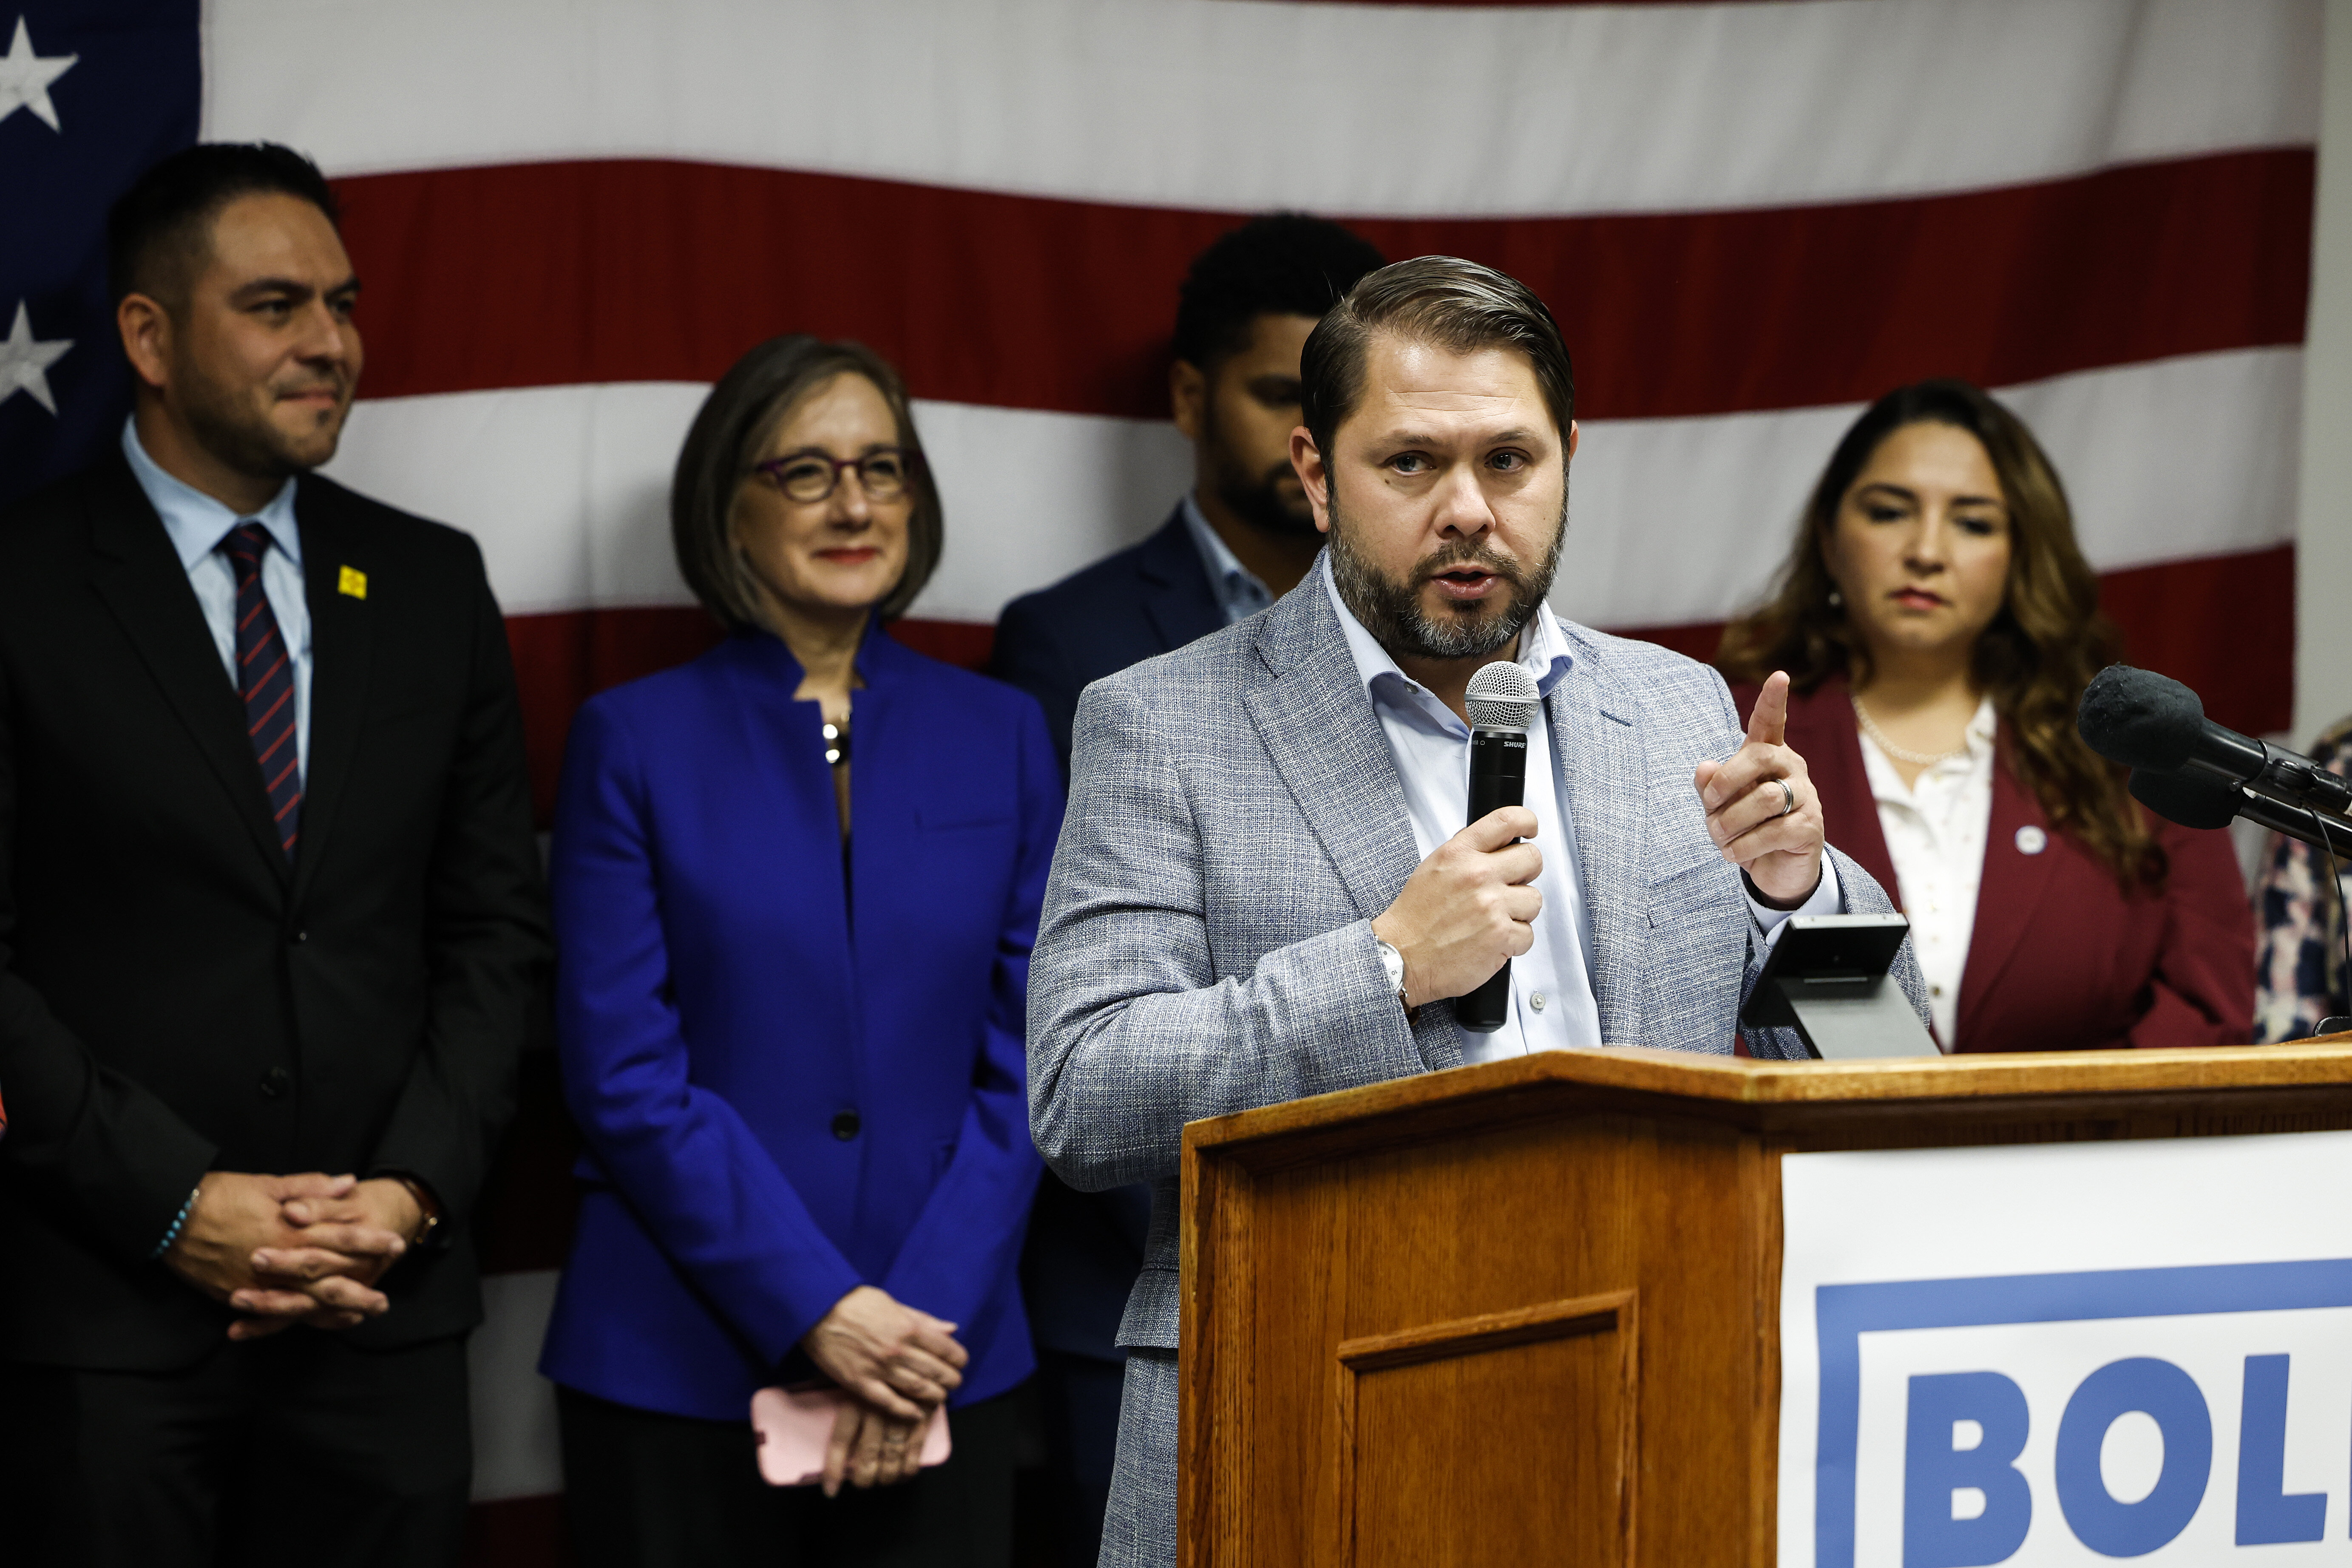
1235, 821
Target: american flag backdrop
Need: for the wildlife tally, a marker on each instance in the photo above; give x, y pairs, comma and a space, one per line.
570, 215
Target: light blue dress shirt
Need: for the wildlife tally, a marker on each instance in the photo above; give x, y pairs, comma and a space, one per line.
1239, 593
198, 524
1552, 1005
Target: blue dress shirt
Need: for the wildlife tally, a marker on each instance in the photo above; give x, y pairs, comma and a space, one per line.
198, 523
1552, 1007
1239, 593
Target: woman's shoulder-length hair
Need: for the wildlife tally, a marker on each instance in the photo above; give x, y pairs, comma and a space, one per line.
736, 422
2034, 659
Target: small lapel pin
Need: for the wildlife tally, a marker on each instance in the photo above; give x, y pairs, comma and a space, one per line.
352, 581
2031, 840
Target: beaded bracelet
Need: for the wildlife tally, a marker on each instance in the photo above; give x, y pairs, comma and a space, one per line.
173, 1235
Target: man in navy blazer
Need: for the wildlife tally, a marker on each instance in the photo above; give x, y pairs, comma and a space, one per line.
1243, 537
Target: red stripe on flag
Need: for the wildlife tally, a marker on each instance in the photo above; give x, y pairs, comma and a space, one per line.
668, 271
2166, 614
2223, 626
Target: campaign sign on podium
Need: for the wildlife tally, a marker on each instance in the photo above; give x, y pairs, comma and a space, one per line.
2068, 1353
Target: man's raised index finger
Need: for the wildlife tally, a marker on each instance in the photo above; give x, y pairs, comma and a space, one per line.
1768, 724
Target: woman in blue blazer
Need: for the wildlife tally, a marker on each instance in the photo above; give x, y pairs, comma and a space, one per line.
791, 1006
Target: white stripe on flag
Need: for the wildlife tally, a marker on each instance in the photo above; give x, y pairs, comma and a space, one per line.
568, 488
1223, 104
1674, 521
515, 1449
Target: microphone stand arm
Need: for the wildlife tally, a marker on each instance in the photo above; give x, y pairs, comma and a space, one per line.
2298, 825
2258, 768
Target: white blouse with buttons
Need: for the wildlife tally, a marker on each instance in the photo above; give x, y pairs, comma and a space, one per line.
1935, 830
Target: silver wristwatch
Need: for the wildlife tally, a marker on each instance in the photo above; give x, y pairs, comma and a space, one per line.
1392, 961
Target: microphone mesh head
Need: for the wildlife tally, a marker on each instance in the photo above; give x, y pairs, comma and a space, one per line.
1502, 696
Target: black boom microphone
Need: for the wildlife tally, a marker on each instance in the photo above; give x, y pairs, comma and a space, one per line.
2147, 722
1503, 702
2194, 800
2200, 800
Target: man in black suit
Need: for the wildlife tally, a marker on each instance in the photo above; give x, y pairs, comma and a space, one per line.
1240, 539
271, 931
1244, 536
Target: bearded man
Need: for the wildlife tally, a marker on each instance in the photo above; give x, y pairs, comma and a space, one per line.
271, 933
1264, 886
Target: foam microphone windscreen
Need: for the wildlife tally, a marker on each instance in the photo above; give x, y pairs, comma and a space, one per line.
2141, 719
2190, 800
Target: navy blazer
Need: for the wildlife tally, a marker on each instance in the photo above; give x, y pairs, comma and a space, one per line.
796, 1070
1149, 599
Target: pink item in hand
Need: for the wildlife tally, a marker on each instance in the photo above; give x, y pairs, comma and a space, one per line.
795, 1426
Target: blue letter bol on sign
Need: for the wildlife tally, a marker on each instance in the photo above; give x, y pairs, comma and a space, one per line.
1933, 1470
2266, 1515
2171, 1396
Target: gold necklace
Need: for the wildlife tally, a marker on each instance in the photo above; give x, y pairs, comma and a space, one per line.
1916, 759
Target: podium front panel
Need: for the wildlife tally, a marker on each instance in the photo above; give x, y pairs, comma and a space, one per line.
1434, 1323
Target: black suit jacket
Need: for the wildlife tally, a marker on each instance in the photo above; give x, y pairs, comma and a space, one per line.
1152, 598
174, 997
1149, 599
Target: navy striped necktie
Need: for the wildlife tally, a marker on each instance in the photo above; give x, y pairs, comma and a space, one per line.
265, 679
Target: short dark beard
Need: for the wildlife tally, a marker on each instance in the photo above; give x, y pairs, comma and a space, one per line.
249, 445
1257, 501
1392, 611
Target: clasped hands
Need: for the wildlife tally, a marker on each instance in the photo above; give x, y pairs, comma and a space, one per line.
1472, 904
898, 1364
282, 1250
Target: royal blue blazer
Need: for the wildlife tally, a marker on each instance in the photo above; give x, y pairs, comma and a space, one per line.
795, 1072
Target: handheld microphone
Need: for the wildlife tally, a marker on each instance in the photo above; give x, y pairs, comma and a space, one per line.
1503, 702
2147, 722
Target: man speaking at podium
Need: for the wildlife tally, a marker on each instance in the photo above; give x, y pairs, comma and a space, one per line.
1264, 887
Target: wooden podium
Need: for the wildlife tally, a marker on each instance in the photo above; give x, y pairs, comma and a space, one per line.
1529, 1312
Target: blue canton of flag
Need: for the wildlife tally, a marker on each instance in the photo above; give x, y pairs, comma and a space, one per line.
91, 92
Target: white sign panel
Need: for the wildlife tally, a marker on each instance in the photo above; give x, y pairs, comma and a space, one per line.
2068, 1353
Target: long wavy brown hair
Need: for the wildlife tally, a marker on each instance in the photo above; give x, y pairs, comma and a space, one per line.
2040, 652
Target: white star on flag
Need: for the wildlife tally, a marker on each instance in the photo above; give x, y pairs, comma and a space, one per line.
24, 361
24, 78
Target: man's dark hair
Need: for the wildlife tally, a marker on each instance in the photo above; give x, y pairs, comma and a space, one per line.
1283, 264
1443, 300
157, 233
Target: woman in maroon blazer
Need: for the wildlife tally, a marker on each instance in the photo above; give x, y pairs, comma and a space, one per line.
1939, 623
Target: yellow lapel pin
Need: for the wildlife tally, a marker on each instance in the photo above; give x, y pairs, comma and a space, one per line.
352, 581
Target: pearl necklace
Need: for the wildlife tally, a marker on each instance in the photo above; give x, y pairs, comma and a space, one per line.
1916, 759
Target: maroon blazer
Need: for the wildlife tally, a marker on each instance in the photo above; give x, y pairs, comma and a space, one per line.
2060, 958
